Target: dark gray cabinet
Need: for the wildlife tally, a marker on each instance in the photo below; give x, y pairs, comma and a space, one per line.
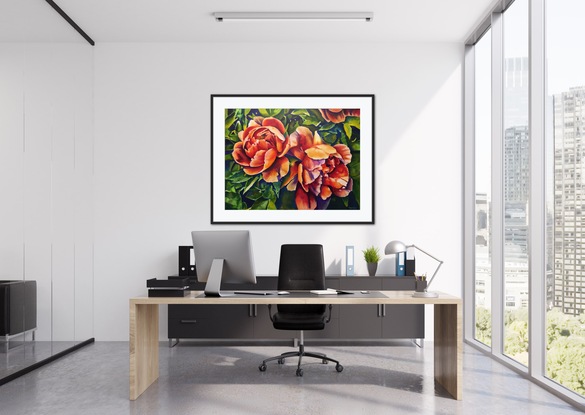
252, 322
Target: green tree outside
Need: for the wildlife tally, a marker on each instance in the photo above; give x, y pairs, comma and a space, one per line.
565, 343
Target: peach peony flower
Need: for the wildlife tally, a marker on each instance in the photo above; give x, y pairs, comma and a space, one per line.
320, 172
337, 115
262, 148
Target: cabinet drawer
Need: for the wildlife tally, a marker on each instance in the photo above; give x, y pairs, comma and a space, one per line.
207, 328
403, 321
207, 311
360, 322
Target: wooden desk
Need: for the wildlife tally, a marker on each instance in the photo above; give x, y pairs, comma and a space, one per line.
448, 344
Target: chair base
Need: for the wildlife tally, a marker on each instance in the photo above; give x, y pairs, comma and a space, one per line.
300, 354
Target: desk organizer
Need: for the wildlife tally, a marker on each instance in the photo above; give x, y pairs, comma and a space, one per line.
173, 287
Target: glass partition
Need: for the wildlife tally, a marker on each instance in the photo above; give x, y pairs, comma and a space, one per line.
565, 150
46, 169
516, 188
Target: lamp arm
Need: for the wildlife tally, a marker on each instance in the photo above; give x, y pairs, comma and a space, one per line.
436, 259
435, 273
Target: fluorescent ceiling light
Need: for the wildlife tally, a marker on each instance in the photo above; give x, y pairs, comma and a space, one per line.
303, 16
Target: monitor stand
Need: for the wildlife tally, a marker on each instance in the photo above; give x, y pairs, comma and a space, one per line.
214, 279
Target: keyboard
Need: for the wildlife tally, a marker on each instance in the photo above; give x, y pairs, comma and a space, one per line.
258, 292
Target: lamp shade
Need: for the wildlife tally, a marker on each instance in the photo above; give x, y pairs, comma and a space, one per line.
394, 247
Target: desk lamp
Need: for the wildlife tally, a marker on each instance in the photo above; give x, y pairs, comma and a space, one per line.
396, 247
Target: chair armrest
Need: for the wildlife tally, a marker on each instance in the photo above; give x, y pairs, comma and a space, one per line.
270, 312
329, 316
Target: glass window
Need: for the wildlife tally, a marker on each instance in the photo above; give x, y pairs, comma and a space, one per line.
483, 161
516, 176
565, 156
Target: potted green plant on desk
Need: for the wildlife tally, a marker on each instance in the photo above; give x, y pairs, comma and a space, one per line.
372, 257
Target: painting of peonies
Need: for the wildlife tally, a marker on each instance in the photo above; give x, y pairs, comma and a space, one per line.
294, 160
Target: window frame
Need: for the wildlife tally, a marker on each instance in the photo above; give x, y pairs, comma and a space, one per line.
536, 369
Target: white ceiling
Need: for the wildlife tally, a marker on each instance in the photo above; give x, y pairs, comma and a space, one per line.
192, 21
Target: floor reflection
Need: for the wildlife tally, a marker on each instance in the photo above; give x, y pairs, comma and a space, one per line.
26, 353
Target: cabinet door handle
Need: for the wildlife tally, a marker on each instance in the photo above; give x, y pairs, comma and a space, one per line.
250, 312
188, 321
383, 310
378, 310
255, 310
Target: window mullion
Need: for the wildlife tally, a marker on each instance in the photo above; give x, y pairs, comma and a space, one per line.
537, 214
497, 185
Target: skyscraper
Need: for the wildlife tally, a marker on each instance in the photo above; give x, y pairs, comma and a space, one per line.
569, 222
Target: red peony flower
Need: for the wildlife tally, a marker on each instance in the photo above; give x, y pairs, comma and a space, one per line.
262, 149
320, 172
337, 115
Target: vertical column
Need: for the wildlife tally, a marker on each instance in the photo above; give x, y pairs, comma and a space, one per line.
497, 184
537, 245
469, 192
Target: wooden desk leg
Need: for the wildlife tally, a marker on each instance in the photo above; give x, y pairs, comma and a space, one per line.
143, 347
449, 348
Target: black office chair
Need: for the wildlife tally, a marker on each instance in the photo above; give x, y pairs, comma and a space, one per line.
301, 268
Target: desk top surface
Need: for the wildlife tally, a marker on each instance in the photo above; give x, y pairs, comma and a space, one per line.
374, 297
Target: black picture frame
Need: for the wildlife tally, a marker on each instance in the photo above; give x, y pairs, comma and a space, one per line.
292, 159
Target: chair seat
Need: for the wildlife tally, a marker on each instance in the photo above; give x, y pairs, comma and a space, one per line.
290, 321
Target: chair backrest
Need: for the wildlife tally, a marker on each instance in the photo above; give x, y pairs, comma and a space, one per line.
301, 268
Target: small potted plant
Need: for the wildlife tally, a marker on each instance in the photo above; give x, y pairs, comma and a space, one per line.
372, 257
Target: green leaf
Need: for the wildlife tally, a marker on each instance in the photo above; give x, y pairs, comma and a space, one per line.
286, 201
233, 201
252, 182
316, 113
328, 137
269, 112
230, 120
269, 193
311, 121
353, 122
292, 126
347, 129
301, 112
254, 193
329, 126
260, 205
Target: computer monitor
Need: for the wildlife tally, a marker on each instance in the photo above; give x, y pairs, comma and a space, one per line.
223, 256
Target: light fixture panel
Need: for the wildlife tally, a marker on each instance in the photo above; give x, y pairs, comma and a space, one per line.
294, 16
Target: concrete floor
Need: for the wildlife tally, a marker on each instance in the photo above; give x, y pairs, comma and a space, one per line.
395, 379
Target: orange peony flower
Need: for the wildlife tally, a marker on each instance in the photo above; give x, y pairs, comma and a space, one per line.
337, 115
320, 172
262, 149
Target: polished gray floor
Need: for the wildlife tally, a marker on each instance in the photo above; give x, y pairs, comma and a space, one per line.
23, 354
394, 379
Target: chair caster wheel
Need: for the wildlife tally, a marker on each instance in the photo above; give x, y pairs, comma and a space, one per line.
325, 362
339, 368
280, 361
300, 372
262, 367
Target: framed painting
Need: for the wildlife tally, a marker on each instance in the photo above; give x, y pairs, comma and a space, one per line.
292, 159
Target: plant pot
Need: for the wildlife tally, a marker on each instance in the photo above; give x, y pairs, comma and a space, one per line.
372, 267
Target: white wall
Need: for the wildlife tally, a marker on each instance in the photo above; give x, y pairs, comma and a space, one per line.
152, 155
